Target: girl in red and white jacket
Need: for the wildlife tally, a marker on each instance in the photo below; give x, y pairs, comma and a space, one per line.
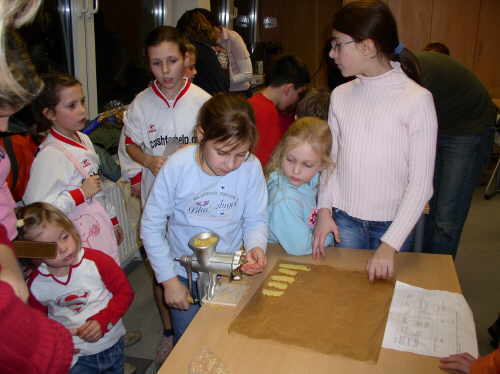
83, 289
65, 172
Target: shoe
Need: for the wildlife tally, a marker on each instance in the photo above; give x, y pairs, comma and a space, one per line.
131, 338
163, 350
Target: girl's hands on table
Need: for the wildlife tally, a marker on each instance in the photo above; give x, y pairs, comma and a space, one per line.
381, 264
324, 226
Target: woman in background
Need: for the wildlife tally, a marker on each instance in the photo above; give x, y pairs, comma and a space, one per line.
195, 27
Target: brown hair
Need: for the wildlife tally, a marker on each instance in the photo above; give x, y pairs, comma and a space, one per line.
38, 215
372, 19
437, 47
165, 34
287, 69
227, 117
190, 48
49, 98
194, 26
310, 130
315, 103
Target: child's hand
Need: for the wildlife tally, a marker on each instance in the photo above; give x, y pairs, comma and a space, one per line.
459, 363
90, 331
118, 234
256, 261
155, 163
135, 190
324, 226
381, 264
91, 186
176, 295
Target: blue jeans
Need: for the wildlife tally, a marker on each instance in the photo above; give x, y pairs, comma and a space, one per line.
360, 234
109, 361
182, 318
459, 161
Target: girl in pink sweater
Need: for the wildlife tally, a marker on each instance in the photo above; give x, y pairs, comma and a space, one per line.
384, 137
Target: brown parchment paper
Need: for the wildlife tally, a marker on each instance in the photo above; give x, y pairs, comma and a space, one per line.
328, 310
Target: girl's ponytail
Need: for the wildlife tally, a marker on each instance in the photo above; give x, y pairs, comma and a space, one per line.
409, 64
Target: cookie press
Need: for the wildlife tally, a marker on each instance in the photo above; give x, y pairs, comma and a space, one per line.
210, 264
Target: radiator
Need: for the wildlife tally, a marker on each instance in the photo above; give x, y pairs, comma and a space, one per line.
128, 213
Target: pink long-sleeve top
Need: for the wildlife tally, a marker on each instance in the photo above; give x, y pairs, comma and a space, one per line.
384, 141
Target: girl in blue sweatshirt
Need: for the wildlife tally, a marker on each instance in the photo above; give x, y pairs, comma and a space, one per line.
216, 185
293, 180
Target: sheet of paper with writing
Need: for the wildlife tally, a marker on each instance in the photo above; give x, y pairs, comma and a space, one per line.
429, 322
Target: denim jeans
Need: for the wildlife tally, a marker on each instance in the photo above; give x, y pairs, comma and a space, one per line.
109, 361
360, 234
182, 318
459, 161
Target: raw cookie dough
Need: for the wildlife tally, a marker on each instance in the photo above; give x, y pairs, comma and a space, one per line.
267, 292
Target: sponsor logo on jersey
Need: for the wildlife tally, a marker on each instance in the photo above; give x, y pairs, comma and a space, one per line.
164, 140
86, 163
151, 129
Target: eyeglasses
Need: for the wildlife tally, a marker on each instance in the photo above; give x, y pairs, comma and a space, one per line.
336, 45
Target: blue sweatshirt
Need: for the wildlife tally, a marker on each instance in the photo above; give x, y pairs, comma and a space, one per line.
185, 201
293, 214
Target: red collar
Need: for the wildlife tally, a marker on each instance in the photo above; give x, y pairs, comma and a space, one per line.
157, 91
63, 138
68, 278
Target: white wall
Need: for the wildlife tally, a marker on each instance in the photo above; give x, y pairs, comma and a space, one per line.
176, 8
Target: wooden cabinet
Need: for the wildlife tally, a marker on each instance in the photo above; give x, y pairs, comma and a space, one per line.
455, 23
487, 54
414, 23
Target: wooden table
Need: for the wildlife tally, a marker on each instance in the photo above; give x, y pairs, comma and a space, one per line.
242, 355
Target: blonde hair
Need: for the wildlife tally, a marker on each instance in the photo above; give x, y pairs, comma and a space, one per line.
38, 215
190, 48
19, 82
310, 130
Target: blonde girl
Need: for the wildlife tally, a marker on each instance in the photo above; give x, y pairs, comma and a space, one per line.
81, 288
293, 175
65, 172
216, 185
384, 139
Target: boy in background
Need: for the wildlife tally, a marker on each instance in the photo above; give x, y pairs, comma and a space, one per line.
286, 80
315, 103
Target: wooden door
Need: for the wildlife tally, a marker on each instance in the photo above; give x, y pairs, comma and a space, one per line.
487, 57
414, 22
454, 23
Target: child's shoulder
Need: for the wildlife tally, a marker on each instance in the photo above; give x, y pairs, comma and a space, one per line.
198, 93
144, 96
251, 164
184, 156
100, 258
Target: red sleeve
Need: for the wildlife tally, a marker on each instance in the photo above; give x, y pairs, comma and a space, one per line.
77, 195
489, 364
4, 238
117, 283
128, 140
136, 179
